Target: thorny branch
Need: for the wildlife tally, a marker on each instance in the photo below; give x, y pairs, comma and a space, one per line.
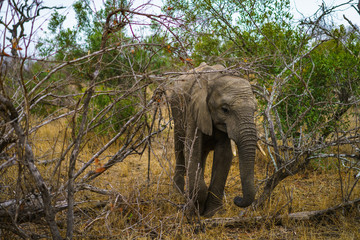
292, 151
22, 13
77, 111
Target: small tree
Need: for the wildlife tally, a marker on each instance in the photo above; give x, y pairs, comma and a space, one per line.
305, 77
75, 88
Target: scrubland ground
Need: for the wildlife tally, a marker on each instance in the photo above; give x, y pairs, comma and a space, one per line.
142, 203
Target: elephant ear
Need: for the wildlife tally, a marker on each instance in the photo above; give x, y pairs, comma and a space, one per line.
199, 108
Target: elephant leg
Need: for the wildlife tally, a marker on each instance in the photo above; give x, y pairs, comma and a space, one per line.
179, 138
198, 190
220, 169
180, 170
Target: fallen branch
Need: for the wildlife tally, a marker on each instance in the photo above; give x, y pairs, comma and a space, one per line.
298, 216
31, 210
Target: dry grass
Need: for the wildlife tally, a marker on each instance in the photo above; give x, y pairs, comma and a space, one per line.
143, 209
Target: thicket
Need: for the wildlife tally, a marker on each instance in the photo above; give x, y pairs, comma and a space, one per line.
106, 78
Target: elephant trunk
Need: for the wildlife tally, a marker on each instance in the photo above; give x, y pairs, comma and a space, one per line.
246, 143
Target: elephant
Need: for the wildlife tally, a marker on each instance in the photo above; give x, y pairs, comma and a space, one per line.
209, 109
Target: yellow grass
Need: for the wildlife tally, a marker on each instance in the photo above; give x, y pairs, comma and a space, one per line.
144, 209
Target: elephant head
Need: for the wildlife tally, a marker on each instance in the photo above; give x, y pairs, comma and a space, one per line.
227, 103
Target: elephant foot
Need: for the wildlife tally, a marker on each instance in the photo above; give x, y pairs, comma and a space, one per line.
191, 210
209, 212
241, 202
196, 202
213, 205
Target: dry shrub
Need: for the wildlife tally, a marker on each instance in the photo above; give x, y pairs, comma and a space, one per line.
152, 209
136, 206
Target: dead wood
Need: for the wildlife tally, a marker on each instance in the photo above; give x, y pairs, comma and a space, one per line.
317, 215
30, 210
26, 210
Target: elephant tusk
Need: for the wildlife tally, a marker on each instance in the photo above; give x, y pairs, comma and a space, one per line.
233, 148
260, 149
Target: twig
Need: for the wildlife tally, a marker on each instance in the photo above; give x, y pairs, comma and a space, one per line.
298, 216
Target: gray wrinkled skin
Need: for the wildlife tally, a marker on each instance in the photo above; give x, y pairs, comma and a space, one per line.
208, 110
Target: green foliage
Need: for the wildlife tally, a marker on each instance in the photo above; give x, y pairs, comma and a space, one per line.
83, 14
227, 31
253, 14
112, 111
86, 37
72, 42
122, 111
206, 48
331, 73
118, 67
234, 21
56, 21
261, 32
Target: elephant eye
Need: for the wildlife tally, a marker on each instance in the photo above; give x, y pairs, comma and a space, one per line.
225, 109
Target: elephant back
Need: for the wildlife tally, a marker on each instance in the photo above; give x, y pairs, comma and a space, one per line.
186, 81
184, 84
204, 67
